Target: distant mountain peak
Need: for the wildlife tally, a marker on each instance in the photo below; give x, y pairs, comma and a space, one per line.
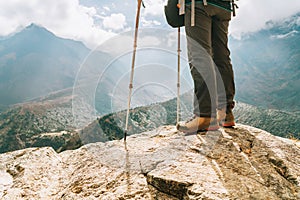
39, 56
286, 25
37, 30
34, 25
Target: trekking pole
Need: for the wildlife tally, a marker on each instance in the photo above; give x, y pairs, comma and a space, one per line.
178, 78
132, 65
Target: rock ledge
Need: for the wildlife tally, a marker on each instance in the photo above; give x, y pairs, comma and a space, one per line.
240, 163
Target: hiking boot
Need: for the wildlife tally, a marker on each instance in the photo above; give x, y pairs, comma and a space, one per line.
198, 124
221, 115
225, 116
229, 120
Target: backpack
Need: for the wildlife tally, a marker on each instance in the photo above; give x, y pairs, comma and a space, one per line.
173, 15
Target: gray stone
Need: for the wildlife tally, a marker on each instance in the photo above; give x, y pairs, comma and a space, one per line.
239, 163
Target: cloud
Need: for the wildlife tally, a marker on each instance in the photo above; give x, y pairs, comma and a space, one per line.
284, 36
149, 23
70, 19
115, 21
65, 18
154, 7
106, 8
253, 15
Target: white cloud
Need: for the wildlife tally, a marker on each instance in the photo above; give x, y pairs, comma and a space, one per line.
121, 44
70, 19
252, 15
115, 21
106, 8
283, 36
154, 7
65, 18
149, 41
149, 23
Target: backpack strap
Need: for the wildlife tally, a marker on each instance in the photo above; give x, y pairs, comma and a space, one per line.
193, 13
181, 4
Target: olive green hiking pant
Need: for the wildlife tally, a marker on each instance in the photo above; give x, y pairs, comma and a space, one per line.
209, 59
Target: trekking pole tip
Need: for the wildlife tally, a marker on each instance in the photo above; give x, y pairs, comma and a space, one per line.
125, 135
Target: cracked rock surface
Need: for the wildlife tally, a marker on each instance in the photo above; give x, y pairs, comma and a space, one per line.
240, 163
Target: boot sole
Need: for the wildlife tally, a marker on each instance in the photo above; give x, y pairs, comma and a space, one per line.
228, 124
211, 128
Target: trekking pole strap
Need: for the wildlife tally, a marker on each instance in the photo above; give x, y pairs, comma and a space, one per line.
193, 13
181, 7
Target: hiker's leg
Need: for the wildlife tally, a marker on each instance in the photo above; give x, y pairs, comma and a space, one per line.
221, 57
200, 60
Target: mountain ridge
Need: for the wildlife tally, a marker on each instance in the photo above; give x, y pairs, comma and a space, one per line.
34, 66
252, 88
53, 114
256, 58
280, 123
266, 64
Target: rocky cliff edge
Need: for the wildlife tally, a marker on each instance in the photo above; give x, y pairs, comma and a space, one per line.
240, 163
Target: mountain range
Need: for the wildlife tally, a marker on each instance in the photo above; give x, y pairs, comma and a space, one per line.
53, 84
49, 121
34, 62
279, 123
266, 65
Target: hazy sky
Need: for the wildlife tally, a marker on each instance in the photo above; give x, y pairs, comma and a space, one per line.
94, 21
